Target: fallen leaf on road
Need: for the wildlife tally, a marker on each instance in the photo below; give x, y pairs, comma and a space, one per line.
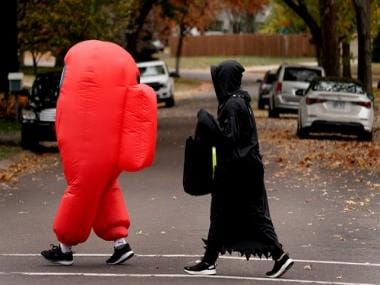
307, 267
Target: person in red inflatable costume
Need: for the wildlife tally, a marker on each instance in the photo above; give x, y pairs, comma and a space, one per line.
106, 123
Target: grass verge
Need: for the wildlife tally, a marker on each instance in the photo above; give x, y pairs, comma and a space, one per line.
9, 126
7, 151
9, 138
182, 84
202, 62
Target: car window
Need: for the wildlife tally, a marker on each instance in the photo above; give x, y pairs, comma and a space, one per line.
270, 78
301, 74
333, 86
153, 70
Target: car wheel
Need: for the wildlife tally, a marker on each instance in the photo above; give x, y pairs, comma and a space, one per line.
29, 138
260, 104
272, 112
366, 136
302, 133
170, 102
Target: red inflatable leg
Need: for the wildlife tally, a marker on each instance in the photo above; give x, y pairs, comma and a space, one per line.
81, 201
112, 219
76, 214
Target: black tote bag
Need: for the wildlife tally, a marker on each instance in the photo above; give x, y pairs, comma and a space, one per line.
198, 168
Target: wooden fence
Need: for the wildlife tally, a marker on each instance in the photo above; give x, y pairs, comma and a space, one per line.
246, 44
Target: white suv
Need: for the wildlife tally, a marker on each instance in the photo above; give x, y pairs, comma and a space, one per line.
289, 79
156, 75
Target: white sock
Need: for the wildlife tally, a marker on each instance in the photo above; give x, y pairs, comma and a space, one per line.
120, 242
65, 248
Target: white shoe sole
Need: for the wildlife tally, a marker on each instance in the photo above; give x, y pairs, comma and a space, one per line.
123, 258
287, 265
203, 272
61, 262
66, 263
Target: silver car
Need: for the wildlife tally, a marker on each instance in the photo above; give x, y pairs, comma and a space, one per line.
289, 79
335, 105
156, 75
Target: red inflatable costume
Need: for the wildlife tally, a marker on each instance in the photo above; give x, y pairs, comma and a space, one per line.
106, 123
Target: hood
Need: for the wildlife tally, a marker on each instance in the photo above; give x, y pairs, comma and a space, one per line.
226, 78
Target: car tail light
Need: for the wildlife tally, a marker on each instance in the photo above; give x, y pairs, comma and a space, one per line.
364, 104
310, 101
278, 87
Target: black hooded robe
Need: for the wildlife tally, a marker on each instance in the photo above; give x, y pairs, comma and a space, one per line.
240, 218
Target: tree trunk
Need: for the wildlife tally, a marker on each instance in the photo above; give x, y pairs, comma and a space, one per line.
363, 20
301, 10
330, 43
249, 23
60, 57
8, 46
346, 59
132, 39
35, 62
178, 53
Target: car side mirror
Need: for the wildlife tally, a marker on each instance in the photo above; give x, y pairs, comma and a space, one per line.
300, 92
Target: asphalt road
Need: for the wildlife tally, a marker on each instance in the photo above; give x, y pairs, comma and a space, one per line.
330, 246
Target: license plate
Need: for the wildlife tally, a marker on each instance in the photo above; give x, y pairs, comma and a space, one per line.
339, 104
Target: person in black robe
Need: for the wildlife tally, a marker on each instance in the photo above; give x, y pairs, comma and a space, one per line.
240, 219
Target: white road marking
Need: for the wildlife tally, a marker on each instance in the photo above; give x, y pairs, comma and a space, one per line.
197, 256
78, 274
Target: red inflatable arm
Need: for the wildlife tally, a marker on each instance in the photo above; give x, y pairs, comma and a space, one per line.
106, 123
133, 155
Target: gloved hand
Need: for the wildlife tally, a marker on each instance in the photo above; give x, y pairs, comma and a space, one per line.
203, 115
207, 127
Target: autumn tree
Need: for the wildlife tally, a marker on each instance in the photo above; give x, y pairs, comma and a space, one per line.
65, 23
242, 13
363, 22
75, 20
140, 11
188, 14
329, 37
8, 46
346, 32
325, 32
34, 34
283, 20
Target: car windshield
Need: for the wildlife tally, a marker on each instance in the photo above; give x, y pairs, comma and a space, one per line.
301, 74
46, 86
338, 86
152, 70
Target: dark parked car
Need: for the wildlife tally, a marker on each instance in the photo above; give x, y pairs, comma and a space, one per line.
265, 86
38, 117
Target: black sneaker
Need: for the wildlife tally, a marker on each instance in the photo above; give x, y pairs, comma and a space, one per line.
201, 268
56, 256
120, 255
283, 264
